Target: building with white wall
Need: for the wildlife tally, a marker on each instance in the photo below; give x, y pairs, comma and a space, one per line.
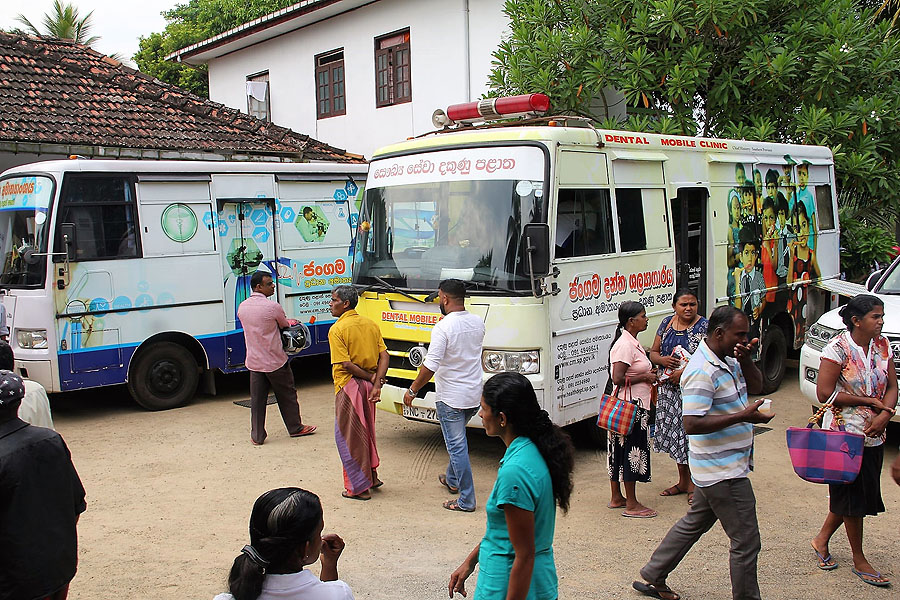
357, 74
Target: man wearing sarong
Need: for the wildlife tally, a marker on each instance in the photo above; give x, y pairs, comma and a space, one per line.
359, 361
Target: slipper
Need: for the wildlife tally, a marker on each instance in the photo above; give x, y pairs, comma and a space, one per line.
452, 505
826, 563
647, 513
668, 491
872, 578
663, 592
350, 496
378, 483
255, 443
443, 479
307, 430
610, 505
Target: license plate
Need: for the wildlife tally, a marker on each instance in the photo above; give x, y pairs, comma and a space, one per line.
420, 414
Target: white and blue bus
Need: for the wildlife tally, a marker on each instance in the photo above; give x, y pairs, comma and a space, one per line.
131, 271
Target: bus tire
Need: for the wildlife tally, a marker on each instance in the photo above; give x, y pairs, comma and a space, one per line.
771, 359
162, 376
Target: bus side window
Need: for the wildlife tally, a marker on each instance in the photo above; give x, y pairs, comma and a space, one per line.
824, 208
642, 219
583, 223
102, 209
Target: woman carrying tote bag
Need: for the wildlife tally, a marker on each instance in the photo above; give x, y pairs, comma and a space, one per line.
628, 456
857, 374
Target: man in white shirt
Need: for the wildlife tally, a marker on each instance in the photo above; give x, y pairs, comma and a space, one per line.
35, 406
454, 359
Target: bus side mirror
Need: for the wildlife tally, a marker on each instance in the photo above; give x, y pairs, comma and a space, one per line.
536, 238
67, 231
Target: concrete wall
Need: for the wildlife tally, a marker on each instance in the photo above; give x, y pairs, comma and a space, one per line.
438, 56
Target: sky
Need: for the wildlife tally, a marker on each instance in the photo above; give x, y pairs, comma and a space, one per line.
119, 23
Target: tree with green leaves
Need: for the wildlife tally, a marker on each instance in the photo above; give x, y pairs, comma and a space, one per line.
821, 72
63, 22
194, 22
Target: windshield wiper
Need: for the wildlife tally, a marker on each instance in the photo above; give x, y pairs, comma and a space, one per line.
492, 287
394, 288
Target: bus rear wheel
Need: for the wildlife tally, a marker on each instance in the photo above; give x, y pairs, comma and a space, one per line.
771, 359
163, 376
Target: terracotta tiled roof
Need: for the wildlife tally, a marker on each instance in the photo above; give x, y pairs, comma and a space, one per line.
59, 92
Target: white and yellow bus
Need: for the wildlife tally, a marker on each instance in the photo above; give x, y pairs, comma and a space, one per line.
554, 223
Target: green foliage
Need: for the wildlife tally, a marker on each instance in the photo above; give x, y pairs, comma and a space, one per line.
188, 24
64, 22
822, 72
862, 244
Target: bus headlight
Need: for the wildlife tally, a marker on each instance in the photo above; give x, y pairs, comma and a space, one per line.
33, 339
497, 361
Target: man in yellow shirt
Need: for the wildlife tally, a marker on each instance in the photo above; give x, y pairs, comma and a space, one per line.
359, 361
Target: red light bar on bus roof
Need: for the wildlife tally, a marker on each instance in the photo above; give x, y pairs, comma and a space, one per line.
493, 108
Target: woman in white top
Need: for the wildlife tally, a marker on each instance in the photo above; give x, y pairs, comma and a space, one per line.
285, 536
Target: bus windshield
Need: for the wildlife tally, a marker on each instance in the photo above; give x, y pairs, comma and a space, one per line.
467, 226
24, 224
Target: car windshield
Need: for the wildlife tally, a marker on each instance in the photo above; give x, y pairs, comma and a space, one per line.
417, 231
24, 223
891, 283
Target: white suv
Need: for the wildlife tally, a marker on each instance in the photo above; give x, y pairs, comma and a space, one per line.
884, 283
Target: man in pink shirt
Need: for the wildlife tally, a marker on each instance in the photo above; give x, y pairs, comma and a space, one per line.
266, 360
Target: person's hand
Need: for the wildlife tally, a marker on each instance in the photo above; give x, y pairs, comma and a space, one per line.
675, 377
375, 393
752, 414
332, 546
877, 425
875, 404
458, 579
743, 352
408, 398
895, 470
670, 362
293, 322
757, 311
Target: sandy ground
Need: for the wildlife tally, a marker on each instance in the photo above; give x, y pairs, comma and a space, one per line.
170, 493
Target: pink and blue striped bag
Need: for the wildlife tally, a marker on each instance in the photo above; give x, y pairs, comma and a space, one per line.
823, 455
617, 415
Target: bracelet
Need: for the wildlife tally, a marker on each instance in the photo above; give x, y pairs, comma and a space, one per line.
411, 392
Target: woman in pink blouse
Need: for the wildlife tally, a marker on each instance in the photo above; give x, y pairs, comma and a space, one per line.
628, 456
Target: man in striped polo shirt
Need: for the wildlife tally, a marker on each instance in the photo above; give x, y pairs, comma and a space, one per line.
719, 420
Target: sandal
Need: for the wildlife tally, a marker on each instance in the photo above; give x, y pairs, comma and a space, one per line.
647, 513
826, 562
668, 491
876, 578
362, 496
307, 430
655, 590
453, 505
443, 479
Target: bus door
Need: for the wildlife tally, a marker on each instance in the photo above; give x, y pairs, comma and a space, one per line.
247, 233
689, 214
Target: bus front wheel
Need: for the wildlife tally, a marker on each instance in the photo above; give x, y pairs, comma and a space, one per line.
163, 376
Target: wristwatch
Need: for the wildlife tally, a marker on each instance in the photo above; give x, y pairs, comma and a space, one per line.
411, 392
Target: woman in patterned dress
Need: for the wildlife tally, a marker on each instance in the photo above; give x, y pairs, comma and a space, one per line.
628, 456
857, 374
685, 328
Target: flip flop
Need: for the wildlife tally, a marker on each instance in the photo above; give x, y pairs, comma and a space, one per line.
443, 479
871, 578
452, 505
350, 496
647, 513
655, 590
826, 563
668, 491
610, 505
307, 430
378, 483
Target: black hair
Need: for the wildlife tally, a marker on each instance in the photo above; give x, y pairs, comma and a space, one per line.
748, 187
7, 360
800, 207
513, 395
772, 177
257, 278
739, 166
282, 520
768, 203
627, 310
307, 209
346, 293
746, 236
859, 306
684, 292
454, 288
781, 205
723, 317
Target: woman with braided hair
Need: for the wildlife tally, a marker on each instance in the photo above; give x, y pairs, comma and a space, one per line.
286, 535
515, 557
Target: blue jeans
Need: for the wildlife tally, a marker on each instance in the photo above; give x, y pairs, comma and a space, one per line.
459, 470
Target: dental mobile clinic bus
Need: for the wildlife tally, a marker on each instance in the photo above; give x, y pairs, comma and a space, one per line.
117, 271
553, 223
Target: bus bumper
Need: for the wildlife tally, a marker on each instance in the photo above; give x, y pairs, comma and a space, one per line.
37, 370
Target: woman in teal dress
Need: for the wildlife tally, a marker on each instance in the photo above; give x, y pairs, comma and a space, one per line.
515, 557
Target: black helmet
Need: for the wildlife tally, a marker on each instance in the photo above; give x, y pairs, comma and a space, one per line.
295, 338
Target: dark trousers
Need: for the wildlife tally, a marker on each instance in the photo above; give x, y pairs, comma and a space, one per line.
281, 381
732, 502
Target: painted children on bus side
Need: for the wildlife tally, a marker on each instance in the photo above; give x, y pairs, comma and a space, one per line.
758, 187
805, 197
803, 268
749, 213
739, 179
769, 253
750, 294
